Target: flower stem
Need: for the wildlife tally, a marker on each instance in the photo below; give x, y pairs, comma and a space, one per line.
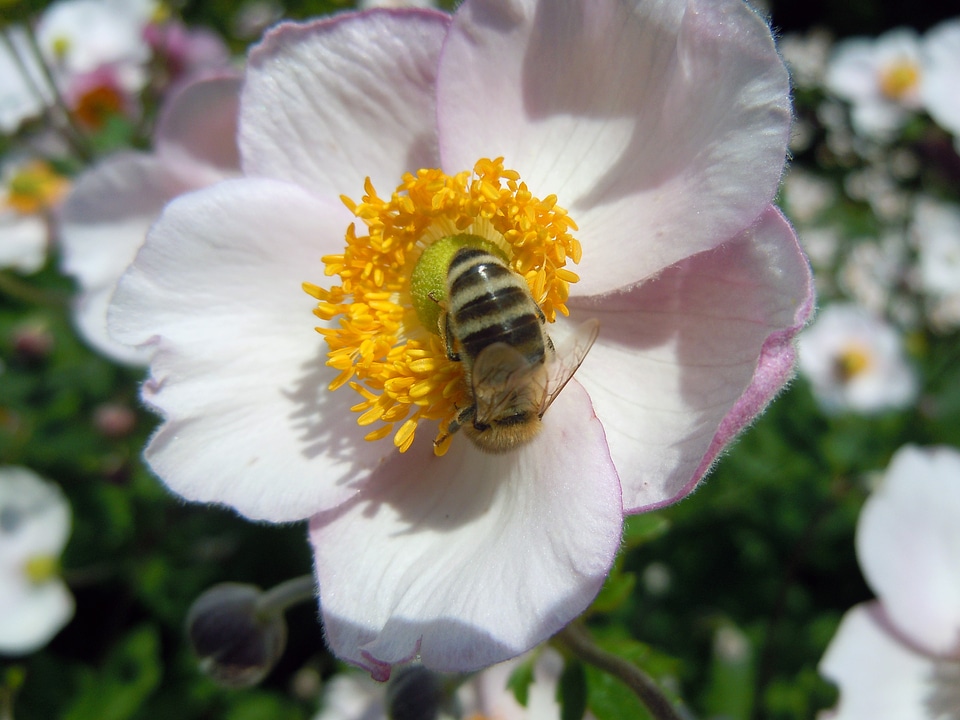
74, 136
578, 641
288, 593
15, 288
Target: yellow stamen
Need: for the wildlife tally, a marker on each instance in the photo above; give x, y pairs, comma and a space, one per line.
41, 568
852, 361
35, 187
899, 78
378, 343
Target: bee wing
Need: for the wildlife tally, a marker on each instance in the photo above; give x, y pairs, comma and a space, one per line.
499, 373
569, 357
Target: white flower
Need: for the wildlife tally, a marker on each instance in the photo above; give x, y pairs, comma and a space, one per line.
873, 271
806, 56
106, 217
880, 77
34, 525
855, 362
78, 37
941, 80
806, 195
29, 193
898, 658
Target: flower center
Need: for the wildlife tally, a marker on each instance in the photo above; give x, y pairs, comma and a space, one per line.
97, 105
41, 568
852, 361
899, 79
35, 187
392, 292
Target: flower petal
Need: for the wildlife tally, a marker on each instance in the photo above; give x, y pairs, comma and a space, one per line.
908, 543
31, 615
329, 103
34, 517
238, 371
200, 120
685, 361
878, 676
24, 246
470, 559
661, 127
104, 222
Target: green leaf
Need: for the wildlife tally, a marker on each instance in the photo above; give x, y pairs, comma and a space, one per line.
520, 680
615, 591
730, 687
572, 691
641, 529
120, 688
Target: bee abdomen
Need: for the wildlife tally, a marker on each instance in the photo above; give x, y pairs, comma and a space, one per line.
489, 303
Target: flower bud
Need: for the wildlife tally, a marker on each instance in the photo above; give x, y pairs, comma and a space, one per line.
415, 693
235, 639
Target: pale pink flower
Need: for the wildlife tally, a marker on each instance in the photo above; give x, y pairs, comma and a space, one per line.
855, 361
660, 126
34, 526
187, 52
106, 217
880, 77
898, 658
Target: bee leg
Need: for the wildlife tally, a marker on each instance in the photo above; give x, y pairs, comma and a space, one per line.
455, 424
448, 339
543, 318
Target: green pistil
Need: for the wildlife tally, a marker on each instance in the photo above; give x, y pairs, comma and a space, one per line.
428, 281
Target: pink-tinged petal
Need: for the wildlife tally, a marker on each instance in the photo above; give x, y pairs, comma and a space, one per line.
685, 361
470, 559
103, 223
879, 677
661, 127
329, 103
200, 120
908, 543
238, 371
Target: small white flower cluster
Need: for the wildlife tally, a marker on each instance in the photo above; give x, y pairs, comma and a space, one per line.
875, 199
890, 78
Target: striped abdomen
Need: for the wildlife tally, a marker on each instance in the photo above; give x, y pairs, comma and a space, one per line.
489, 303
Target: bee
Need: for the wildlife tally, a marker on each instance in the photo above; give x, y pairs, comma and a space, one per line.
512, 368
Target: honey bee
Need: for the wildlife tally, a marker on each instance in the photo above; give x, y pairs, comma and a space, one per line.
513, 371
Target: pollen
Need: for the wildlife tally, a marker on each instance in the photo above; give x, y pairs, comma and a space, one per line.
381, 345
33, 188
899, 79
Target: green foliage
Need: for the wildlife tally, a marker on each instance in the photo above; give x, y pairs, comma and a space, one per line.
128, 677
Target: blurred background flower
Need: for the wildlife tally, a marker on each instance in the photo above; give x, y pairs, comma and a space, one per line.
899, 656
34, 526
